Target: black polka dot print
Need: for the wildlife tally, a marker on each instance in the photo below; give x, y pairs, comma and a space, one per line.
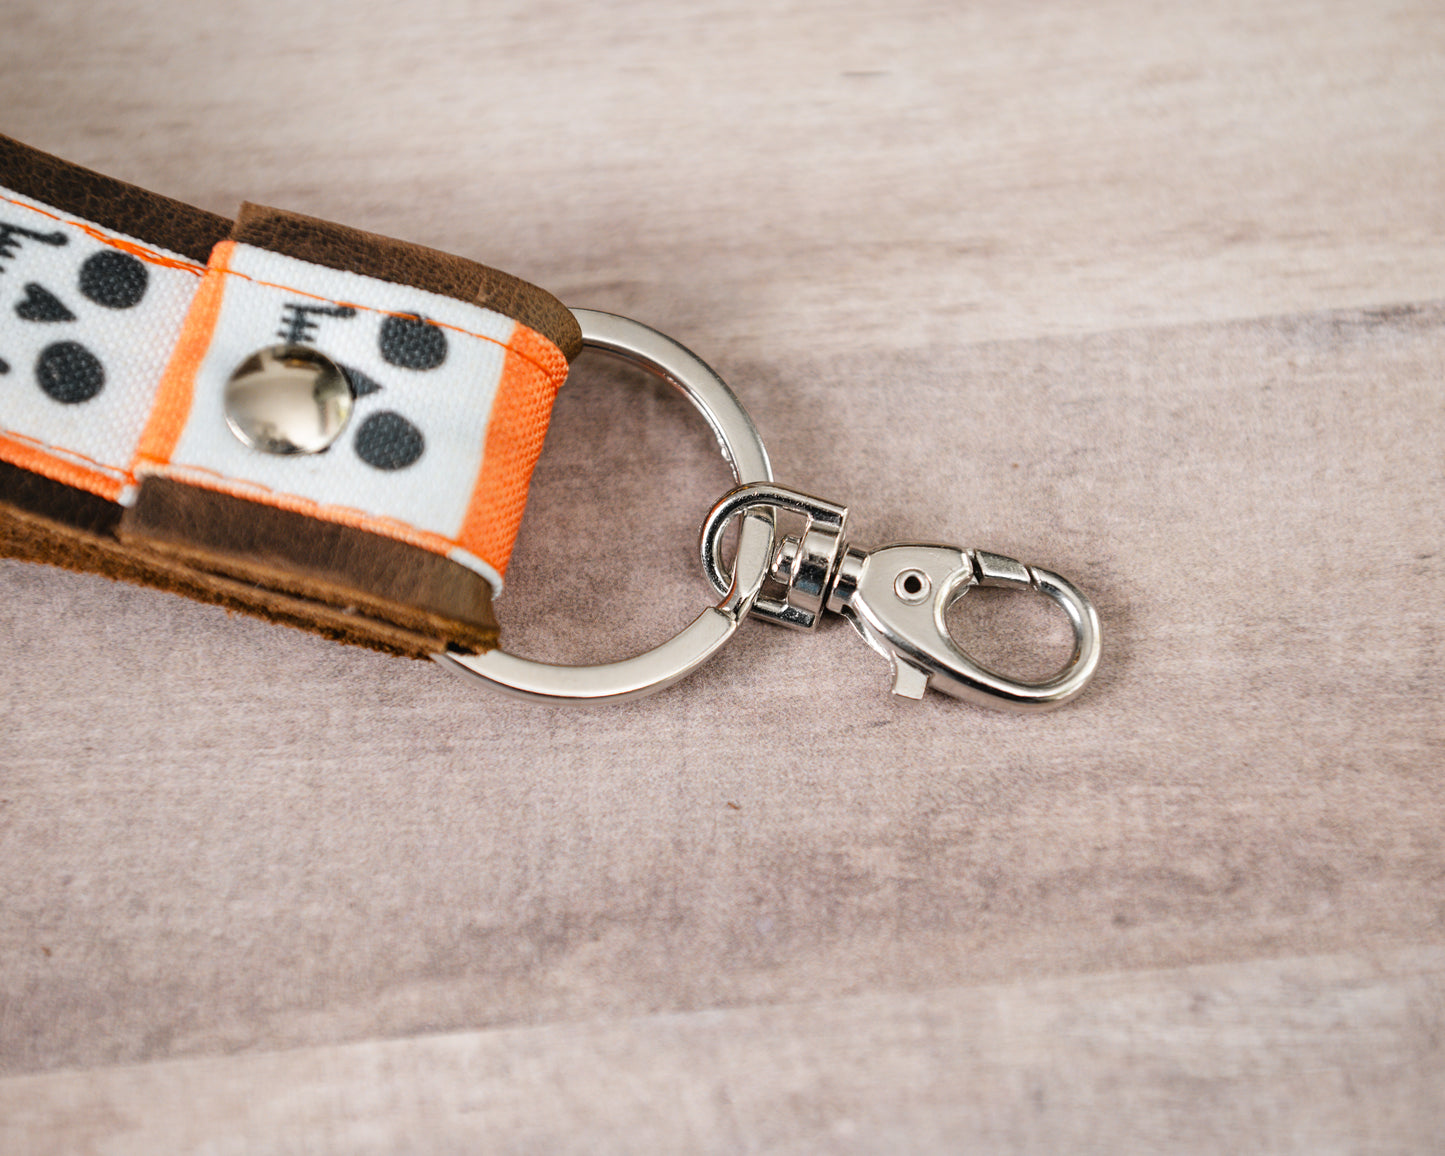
388, 441
113, 279
69, 373
40, 304
412, 342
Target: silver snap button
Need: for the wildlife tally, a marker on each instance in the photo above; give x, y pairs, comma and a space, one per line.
288, 399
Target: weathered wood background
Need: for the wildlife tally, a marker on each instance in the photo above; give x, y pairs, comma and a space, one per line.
1151, 294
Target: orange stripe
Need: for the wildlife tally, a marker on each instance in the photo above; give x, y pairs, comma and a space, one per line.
532, 372
114, 242
38, 461
28, 454
172, 406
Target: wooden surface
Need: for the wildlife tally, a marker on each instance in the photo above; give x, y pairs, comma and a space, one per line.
1149, 294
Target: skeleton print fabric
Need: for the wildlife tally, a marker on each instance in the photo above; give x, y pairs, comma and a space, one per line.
114, 357
425, 369
88, 320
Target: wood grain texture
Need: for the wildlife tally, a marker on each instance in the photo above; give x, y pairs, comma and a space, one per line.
1147, 295
769, 176
1325, 1054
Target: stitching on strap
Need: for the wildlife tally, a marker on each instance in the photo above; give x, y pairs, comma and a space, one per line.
156, 258
138, 251
121, 473
392, 312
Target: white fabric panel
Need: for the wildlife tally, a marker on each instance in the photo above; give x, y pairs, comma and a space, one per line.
439, 379
92, 323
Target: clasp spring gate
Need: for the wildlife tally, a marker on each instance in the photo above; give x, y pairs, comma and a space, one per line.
896, 598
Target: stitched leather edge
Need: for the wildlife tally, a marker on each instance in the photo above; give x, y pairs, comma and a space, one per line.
372, 255
326, 562
338, 581
112, 204
47, 522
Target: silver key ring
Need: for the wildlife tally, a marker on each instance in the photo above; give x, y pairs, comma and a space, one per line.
685, 652
896, 597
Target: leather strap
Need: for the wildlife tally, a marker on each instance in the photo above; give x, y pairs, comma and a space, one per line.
121, 314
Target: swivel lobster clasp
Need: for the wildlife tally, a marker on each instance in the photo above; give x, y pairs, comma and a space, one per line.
896, 598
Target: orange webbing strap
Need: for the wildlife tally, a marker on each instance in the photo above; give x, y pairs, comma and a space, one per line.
124, 314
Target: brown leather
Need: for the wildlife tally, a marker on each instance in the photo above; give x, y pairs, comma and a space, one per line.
22, 492
323, 562
193, 232
343, 583
353, 251
113, 204
44, 521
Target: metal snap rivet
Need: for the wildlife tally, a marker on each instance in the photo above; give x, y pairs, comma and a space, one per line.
288, 399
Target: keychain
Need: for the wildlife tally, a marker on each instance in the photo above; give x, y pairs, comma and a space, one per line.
895, 597
336, 430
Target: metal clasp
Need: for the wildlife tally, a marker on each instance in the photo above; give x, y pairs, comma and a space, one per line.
896, 598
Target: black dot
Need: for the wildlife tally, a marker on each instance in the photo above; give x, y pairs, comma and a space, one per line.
412, 342
69, 373
388, 441
113, 279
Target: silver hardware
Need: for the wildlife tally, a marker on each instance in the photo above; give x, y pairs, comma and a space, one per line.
912, 586
288, 399
743, 450
896, 598
802, 566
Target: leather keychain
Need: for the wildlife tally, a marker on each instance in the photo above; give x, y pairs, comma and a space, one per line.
335, 430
